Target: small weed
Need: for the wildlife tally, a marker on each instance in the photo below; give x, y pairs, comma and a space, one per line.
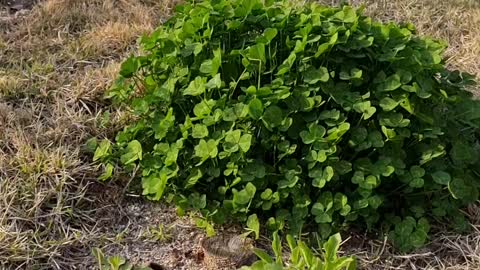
160, 233
302, 257
114, 262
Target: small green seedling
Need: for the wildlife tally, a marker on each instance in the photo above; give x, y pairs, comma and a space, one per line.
302, 257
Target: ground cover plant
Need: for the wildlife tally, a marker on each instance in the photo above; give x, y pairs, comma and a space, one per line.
302, 257
114, 263
310, 117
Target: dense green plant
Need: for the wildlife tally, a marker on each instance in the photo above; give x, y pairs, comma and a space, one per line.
311, 117
302, 257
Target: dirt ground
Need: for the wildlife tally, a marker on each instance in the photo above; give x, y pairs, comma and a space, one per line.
17, 5
57, 59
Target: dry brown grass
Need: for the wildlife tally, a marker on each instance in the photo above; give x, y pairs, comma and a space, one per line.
446, 251
94, 80
57, 61
10, 85
110, 38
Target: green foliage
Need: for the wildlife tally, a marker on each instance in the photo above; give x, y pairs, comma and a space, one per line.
160, 233
302, 257
409, 234
309, 117
253, 225
114, 262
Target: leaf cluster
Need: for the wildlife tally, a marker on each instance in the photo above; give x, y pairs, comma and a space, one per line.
113, 262
311, 117
302, 257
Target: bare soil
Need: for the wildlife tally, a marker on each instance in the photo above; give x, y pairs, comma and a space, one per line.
179, 247
17, 5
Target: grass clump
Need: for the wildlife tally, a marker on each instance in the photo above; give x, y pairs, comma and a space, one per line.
311, 117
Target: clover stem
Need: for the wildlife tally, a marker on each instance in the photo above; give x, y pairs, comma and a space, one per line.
236, 83
259, 75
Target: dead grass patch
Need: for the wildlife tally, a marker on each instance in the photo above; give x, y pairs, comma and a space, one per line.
40, 189
53, 27
3, 44
444, 252
51, 212
91, 86
79, 15
113, 37
72, 16
10, 85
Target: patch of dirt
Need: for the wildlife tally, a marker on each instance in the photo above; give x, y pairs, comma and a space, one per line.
144, 232
151, 232
17, 5
11, 10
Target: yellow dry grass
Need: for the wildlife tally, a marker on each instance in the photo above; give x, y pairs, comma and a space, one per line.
9, 85
57, 61
93, 82
110, 38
